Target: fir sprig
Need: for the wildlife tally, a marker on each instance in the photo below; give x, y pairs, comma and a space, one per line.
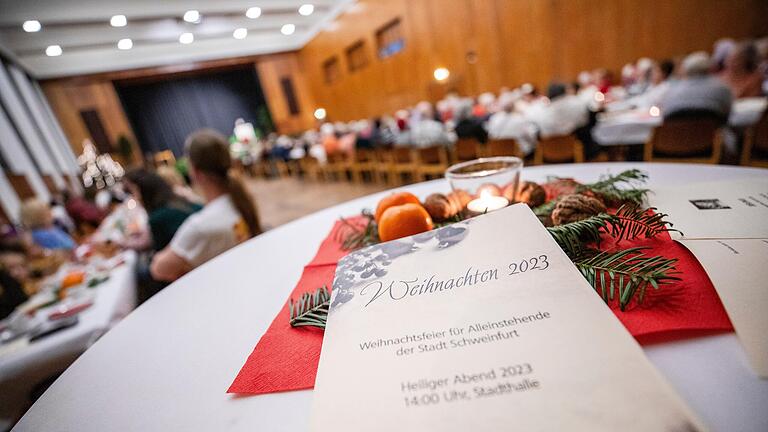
619, 188
572, 237
354, 236
311, 309
545, 209
626, 272
632, 221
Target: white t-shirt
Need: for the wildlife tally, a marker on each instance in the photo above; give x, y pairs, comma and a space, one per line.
209, 232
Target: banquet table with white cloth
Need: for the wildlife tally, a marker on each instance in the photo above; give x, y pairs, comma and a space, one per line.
168, 365
24, 364
635, 126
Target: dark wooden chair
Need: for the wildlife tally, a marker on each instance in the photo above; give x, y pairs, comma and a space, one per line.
503, 147
362, 162
685, 139
559, 149
755, 151
403, 162
467, 149
431, 161
384, 165
337, 166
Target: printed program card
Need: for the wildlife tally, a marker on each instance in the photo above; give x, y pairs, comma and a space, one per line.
739, 273
485, 325
716, 210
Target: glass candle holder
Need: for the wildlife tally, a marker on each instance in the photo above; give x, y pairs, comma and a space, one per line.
485, 184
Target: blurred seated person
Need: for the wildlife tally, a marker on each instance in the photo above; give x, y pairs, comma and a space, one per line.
60, 216
347, 137
507, 124
467, 125
658, 84
173, 177
228, 218
424, 130
11, 293
565, 112
364, 139
485, 106
721, 50
741, 73
37, 218
328, 138
166, 210
282, 148
697, 92
86, 215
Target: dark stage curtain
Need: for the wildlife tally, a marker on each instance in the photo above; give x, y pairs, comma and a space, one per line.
163, 113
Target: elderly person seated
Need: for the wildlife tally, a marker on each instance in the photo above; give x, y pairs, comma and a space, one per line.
565, 112
508, 123
741, 73
37, 218
698, 92
467, 125
424, 130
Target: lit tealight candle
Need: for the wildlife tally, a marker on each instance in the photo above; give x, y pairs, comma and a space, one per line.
487, 203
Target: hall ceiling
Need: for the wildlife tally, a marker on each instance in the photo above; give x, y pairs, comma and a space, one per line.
89, 43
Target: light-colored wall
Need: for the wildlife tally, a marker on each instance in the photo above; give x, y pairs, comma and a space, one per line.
515, 41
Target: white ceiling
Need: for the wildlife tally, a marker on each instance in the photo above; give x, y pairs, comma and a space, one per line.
82, 29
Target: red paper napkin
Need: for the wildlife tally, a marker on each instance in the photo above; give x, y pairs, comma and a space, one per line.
286, 358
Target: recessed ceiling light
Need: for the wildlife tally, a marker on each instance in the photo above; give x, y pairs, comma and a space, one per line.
187, 38
124, 44
118, 21
306, 9
240, 33
253, 12
53, 51
192, 16
31, 26
288, 29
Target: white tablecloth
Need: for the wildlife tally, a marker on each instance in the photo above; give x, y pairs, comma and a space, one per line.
168, 365
22, 369
635, 127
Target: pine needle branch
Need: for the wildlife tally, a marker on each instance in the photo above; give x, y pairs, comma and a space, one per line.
573, 236
545, 209
632, 221
619, 188
354, 236
625, 274
311, 309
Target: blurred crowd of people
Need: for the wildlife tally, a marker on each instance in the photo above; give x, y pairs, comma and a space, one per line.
153, 211
699, 81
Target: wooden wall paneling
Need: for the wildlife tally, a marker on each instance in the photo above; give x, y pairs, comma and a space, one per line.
21, 186
271, 70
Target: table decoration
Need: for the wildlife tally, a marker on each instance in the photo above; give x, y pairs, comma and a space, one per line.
285, 357
467, 330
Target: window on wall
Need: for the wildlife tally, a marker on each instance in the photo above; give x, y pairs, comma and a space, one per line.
331, 70
389, 39
290, 95
356, 56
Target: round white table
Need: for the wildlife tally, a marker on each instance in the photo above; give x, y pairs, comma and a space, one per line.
167, 366
635, 126
24, 364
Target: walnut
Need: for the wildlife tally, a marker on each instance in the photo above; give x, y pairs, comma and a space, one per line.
575, 207
440, 207
531, 193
